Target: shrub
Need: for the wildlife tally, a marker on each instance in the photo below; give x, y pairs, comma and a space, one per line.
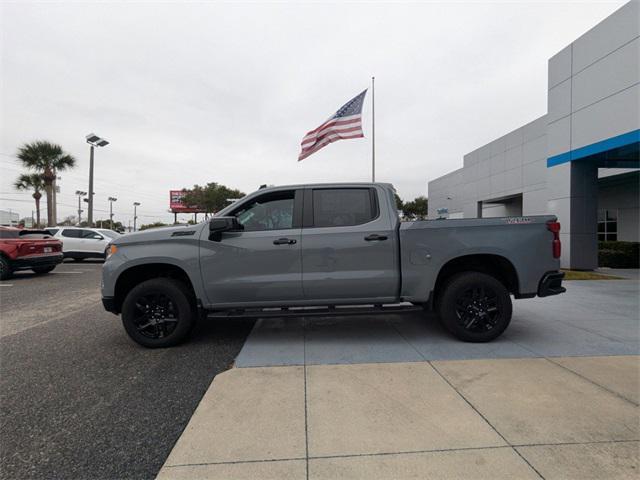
619, 254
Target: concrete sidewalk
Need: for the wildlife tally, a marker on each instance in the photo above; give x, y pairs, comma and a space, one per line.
573, 417
595, 317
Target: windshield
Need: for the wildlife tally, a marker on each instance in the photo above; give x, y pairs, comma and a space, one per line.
109, 233
24, 234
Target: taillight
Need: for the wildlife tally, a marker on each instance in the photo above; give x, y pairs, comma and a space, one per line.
554, 227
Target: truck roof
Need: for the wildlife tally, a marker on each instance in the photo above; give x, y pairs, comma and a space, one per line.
328, 185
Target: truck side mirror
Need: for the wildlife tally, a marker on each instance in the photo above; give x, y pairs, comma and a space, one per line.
217, 225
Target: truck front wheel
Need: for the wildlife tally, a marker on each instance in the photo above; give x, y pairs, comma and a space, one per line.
475, 307
158, 313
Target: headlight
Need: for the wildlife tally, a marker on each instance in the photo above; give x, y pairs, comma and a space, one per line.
112, 249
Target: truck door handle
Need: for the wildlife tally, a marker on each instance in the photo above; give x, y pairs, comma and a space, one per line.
374, 236
284, 241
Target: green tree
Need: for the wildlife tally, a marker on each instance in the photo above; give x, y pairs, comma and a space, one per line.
417, 208
399, 202
46, 159
211, 197
35, 182
153, 225
117, 226
69, 221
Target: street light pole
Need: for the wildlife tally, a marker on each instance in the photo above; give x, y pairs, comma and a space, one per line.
90, 207
80, 194
135, 214
94, 141
111, 200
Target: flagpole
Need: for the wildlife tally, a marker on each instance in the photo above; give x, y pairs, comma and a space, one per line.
373, 129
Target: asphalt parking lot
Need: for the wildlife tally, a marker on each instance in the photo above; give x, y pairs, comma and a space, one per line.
80, 400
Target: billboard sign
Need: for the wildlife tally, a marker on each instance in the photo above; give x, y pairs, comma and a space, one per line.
177, 206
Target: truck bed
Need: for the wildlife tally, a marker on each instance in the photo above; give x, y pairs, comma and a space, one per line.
427, 246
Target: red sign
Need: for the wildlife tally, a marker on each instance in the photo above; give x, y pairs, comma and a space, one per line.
177, 206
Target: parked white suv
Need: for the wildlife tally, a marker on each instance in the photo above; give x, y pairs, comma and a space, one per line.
80, 243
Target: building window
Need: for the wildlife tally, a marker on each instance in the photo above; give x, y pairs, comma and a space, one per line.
608, 225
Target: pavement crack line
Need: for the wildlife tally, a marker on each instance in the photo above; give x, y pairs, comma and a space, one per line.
404, 452
407, 340
304, 368
485, 419
592, 332
592, 382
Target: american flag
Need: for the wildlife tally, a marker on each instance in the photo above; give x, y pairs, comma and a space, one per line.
345, 124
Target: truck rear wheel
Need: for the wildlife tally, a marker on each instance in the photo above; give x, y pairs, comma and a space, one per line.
158, 313
475, 307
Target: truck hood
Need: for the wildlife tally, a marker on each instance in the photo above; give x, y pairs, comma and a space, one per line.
162, 233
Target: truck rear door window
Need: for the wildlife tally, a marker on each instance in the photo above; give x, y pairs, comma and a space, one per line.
342, 207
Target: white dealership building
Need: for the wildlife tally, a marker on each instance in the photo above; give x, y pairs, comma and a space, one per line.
580, 161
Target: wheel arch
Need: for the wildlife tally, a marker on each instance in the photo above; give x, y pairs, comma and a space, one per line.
497, 266
137, 274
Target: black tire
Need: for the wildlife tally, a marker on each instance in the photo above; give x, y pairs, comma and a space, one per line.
475, 307
159, 313
5, 269
43, 270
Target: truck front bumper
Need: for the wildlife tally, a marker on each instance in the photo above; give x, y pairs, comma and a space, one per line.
551, 284
109, 305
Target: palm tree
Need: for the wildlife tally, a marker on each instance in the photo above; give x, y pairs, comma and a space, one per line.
35, 182
47, 159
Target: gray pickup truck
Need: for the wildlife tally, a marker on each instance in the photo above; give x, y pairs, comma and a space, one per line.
330, 249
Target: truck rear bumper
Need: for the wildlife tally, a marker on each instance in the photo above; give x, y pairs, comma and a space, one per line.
551, 284
28, 262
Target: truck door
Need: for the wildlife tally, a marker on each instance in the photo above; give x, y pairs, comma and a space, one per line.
349, 246
260, 265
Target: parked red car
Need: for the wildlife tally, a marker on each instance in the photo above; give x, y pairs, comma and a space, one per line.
28, 250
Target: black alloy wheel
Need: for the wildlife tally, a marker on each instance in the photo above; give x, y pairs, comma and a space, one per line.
155, 315
159, 312
475, 307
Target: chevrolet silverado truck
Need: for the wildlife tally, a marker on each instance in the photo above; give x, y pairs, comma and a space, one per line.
330, 249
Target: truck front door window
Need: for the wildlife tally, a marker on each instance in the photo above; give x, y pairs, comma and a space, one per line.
268, 212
